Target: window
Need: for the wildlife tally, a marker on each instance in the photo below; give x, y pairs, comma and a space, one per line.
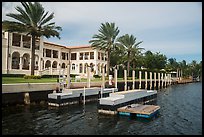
63, 55
55, 54
91, 55
105, 57
86, 55
26, 42
16, 40
67, 56
99, 55
81, 56
48, 53
73, 66
73, 56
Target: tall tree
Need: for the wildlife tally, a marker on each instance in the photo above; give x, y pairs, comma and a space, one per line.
33, 20
105, 40
130, 45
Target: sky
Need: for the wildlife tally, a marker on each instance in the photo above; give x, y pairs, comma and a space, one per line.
171, 28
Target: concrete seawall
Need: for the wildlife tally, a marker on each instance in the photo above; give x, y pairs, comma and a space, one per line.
15, 93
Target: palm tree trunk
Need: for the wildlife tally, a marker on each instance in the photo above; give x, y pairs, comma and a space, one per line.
128, 65
108, 64
133, 65
33, 55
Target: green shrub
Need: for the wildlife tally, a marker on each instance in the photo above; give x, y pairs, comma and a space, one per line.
96, 76
31, 77
13, 75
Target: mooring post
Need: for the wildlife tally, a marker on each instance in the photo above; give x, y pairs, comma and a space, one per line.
140, 76
145, 79
103, 77
125, 76
158, 80
116, 78
165, 80
162, 79
133, 79
150, 75
155, 80
101, 91
26, 98
84, 95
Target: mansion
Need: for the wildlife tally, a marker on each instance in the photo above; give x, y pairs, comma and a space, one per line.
50, 58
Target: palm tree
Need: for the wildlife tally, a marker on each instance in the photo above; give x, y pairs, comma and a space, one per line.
105, 40
33, 20
129, 43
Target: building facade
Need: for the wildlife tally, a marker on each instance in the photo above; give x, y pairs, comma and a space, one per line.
50, 58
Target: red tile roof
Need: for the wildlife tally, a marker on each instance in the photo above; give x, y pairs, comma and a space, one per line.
69, 47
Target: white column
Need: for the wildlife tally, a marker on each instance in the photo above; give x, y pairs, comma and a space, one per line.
150, 75
145, 79
162, 79
21, 63
21, 41
158, 80
170, 79
165, 80
133, 79
155, 80
116, 78
140, 76
125, 77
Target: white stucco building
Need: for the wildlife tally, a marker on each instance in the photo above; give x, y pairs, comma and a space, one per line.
49, 57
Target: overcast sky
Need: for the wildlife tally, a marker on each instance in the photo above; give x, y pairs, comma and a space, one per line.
171, 28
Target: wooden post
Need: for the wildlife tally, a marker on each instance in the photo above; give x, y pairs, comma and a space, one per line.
145, 79
155, 78
140, 76
26, 98
116, 78
158, 80
150, 75
103, 77
125, 77
133, 79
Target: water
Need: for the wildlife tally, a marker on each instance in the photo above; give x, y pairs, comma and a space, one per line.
180, 114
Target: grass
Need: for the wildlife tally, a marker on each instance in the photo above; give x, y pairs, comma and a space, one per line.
11, 80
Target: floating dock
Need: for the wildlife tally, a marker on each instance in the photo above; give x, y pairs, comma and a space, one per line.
109, 105
74, 96
139, 110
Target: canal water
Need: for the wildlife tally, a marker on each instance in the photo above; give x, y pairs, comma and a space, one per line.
180, 114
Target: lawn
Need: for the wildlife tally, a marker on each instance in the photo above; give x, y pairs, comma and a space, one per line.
10, 80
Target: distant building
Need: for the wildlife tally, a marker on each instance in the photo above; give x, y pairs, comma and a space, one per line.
49, 57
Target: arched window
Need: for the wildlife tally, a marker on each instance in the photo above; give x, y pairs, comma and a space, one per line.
15, 60
47, 64
80, 68
73, 66
36, 62
92, 67
26, 61
63, 65
54, 64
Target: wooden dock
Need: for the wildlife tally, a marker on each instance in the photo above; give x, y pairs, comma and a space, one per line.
146, 111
